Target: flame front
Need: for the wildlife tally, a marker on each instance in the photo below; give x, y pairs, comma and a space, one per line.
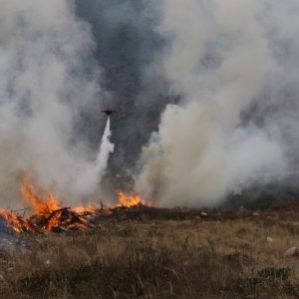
90, 208
17, 223
48, 214
128, 201
36, 202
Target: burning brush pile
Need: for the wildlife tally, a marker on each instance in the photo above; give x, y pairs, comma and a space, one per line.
48, 215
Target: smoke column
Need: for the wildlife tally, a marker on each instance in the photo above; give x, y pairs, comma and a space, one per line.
126, 47
229, 68
61, 63
46, 85
235, 65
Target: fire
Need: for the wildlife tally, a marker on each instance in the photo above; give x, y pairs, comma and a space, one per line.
48, 215
90, 208
128, 201
16, 222
37, 203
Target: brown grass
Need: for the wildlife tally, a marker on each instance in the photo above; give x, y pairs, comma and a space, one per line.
158, 259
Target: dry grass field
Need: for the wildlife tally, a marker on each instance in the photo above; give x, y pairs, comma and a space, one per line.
201, 255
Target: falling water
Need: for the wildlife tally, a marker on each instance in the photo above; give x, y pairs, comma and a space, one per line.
106, 148
94, 171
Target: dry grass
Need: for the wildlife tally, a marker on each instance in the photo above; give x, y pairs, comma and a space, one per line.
185, 259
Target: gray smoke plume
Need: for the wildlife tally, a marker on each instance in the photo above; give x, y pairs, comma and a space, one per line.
227, 70
54, 56
235, 65
45, 86
126, 48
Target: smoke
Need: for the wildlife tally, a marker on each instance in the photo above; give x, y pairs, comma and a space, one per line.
227, 70
235, 65
126, 48
45, 87
54, 56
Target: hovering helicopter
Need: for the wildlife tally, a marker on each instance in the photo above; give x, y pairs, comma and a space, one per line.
108, 112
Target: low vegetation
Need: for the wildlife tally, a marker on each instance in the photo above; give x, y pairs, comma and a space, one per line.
200, 257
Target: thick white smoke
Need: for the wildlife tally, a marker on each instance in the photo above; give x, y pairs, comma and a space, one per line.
234, 63
44, 86
224, 58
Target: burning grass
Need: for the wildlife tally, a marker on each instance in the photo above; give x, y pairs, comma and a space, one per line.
133, 250
199, 257
48, 214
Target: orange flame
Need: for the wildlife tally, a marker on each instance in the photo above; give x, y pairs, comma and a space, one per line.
36, 202
90, 208
49, 215
128, 201
17, 223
